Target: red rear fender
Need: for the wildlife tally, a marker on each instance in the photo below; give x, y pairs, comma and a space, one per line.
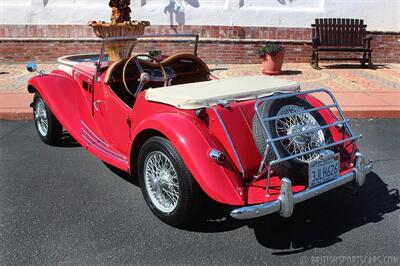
233, 128
194, 141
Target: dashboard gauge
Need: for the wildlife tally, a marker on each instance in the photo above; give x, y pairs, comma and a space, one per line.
170, 72
156, 73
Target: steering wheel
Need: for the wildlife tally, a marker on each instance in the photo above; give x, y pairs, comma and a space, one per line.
145, 77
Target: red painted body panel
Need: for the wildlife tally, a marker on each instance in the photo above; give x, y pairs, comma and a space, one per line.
66, 100
112, 117
238, 120
193, 140
108, 128
86, 68
64, 97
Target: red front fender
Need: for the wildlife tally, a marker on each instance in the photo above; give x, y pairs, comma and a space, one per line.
62, 95
194, 141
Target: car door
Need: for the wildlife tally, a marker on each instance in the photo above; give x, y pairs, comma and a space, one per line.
113, 118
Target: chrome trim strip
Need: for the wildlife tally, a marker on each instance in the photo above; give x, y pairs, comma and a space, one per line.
105, 148
99, 144
94, 134
101, 149
284, 205
230, 140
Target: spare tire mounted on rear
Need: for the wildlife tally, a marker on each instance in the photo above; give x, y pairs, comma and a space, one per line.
291, 124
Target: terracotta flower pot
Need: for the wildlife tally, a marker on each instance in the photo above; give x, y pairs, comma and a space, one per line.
272, 65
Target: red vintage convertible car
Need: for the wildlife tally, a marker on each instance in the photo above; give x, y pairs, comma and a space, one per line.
257, 144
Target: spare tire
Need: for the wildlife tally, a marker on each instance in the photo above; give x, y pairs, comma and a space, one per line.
297, 167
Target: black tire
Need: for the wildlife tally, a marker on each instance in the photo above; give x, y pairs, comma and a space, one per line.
291, 168
190, 197
54, 130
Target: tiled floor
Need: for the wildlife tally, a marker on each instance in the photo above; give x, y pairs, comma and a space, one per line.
339, 78
361, 92
14, 77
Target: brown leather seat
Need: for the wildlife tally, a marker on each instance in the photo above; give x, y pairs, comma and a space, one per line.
111, 69
185, 56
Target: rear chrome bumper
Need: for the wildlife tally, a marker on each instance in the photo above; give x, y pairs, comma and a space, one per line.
286, 200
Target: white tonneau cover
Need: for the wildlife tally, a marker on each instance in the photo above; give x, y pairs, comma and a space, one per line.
207, 93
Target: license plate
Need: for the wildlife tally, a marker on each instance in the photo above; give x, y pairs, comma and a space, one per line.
323, 169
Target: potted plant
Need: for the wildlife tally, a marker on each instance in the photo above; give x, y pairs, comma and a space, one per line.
272, 55
156, 53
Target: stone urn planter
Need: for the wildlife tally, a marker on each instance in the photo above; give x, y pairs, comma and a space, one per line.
272, 56
119, 49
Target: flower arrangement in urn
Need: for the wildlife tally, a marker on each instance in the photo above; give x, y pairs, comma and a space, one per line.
120, 26
272, 55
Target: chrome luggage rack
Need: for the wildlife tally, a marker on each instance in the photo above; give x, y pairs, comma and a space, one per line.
265, 167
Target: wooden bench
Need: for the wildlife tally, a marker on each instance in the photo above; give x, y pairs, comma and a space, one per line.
340, 35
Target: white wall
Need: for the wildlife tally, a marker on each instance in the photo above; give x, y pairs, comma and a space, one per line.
379, 14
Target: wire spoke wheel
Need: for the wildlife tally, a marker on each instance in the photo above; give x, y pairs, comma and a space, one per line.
47, 126
161, 181
297, 123
41, 118
170, 190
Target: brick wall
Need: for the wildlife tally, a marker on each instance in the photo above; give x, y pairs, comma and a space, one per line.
222, 44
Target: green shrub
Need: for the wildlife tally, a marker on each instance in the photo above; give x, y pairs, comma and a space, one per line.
271, 49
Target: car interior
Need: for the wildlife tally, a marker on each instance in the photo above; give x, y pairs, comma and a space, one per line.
179, 68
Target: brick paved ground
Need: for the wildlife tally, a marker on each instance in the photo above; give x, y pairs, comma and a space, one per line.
361, 92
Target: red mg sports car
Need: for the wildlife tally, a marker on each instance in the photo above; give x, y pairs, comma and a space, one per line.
257, 144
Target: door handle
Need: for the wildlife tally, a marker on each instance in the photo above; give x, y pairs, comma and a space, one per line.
96, 105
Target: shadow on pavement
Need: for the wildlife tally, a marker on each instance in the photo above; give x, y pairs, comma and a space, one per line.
67, 141
355, 66
124, 175
318, 222
291, 72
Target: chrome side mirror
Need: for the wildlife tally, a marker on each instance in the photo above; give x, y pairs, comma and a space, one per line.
31, 66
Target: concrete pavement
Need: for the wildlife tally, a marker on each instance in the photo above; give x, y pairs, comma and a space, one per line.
362, 92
